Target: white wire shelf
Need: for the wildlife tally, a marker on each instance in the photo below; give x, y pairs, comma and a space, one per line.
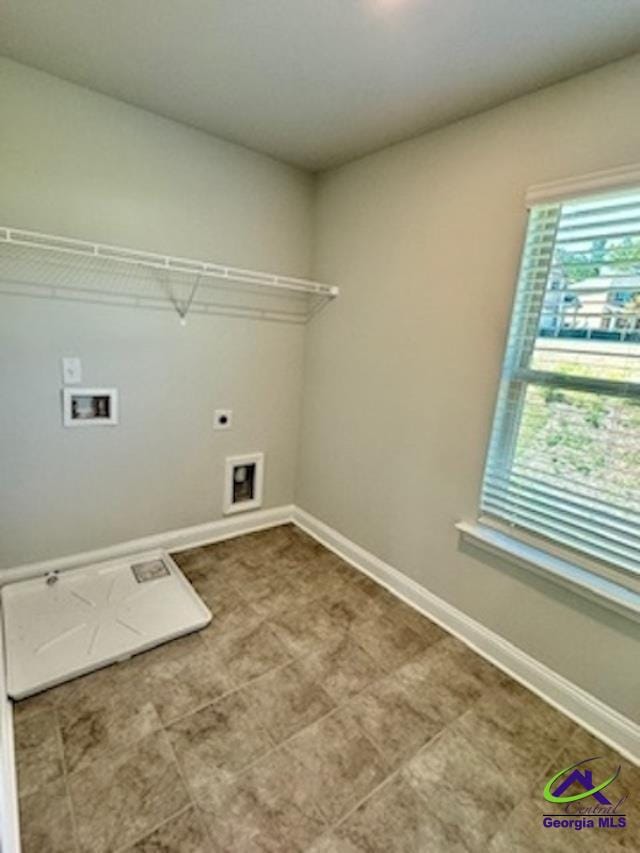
53, 267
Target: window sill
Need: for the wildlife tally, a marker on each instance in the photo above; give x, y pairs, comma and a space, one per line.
588, 584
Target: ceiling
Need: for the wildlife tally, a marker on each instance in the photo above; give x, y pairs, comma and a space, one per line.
317, 82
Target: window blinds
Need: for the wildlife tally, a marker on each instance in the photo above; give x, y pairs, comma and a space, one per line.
564, 456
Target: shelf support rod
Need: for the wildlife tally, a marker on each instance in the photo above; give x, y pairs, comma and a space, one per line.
184, 310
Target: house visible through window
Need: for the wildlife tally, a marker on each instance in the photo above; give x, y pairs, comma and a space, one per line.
564, 458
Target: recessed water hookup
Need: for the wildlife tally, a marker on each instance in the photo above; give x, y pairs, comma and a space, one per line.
89, 406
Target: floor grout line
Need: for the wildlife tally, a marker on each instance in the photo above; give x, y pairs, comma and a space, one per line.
294, 658
155, 828
276, 745
405, 762
185, 781
67, 788
189, 713
526, 797
338, 706
396, 772
336, 709
228, 693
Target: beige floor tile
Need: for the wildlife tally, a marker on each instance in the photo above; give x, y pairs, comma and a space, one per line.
38, 750
380, 602
338, 583
191, 561
260, 542
305, 629
366, 597
349, 599
296, 631
341, 608
264, 543
97, 685
120, 799
342, 668
517, 732
629, 838
45, 820
424, 628
184, 833
523, 831
296, 550
287, 700
389, 642
391, 722
251, 572
216, 743
270, 807
202, 568
439, 684
270, 593
182, 685
221, 551
292, 564
121, 679
126, 678
394, 820
165, 652
308, 584
460, 787
342, 764
330, 843
247, 651
255, 550
228, 608
33, 705
97, 729
467, 661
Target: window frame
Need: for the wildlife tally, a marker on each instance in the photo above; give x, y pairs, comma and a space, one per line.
518, 375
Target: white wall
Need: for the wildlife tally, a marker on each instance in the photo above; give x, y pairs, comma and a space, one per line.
424, 240
76, 163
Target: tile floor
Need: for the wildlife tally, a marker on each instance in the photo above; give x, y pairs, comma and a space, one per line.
316, 713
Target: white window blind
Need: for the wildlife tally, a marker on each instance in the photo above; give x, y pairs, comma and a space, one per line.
564, 456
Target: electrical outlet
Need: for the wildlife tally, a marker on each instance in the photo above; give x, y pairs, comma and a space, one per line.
222, 419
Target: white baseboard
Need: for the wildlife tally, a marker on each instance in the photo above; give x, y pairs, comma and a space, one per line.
594, 715
173, 540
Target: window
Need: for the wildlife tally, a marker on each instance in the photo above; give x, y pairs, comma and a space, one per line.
564, 457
